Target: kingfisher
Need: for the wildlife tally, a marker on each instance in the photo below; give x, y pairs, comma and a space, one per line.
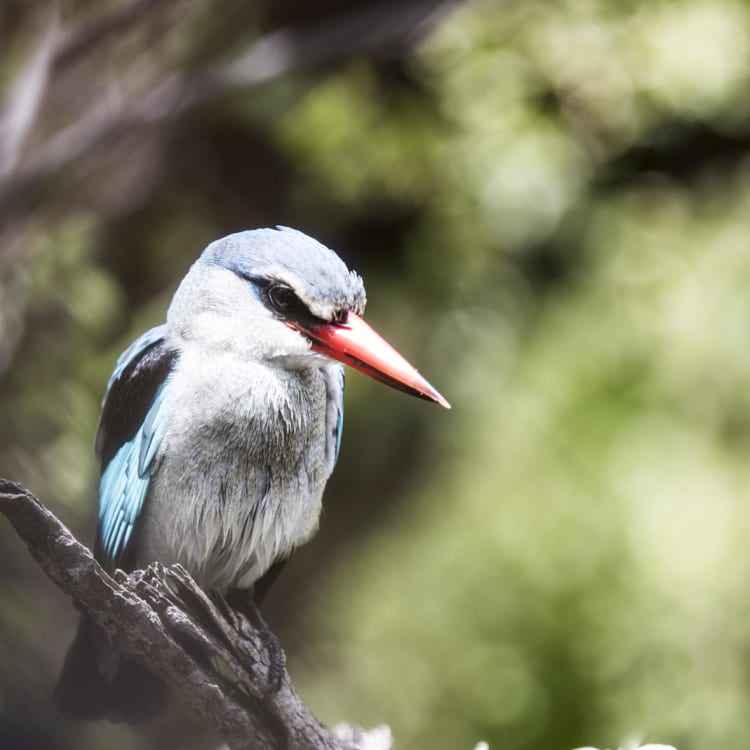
218, 432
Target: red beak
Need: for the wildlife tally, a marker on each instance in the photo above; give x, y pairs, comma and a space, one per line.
356, 344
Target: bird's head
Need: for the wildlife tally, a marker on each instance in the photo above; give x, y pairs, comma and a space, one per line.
279, 296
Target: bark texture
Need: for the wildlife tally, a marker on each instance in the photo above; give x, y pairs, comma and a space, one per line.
214, 658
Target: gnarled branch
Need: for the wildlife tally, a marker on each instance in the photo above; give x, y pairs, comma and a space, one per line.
161, 618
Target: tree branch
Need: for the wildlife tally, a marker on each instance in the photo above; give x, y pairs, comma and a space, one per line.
161, 619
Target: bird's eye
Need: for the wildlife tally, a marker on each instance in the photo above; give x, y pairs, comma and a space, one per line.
283, 298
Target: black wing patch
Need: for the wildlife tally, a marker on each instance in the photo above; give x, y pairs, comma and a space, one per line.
141, 370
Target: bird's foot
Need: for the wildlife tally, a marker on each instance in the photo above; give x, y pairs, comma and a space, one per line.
276, 655
244, 602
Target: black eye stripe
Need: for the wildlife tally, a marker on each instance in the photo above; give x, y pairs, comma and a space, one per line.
282, 300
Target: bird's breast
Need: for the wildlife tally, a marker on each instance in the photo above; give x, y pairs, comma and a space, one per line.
240, 473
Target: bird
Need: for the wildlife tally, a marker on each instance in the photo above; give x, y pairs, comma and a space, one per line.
218, 432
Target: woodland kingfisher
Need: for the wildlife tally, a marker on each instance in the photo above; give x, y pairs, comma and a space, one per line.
219, 430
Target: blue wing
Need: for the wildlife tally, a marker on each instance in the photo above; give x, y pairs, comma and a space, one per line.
334, 375
131, 428
124, 483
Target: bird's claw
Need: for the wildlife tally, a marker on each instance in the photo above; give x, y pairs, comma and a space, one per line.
268, 640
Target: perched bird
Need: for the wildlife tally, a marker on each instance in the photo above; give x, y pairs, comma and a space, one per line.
219, 430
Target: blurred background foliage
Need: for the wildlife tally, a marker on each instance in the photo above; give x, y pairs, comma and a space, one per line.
550, 204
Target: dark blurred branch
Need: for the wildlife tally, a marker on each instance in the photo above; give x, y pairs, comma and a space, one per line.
381, 28
54, 50
86, 35
152, 615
